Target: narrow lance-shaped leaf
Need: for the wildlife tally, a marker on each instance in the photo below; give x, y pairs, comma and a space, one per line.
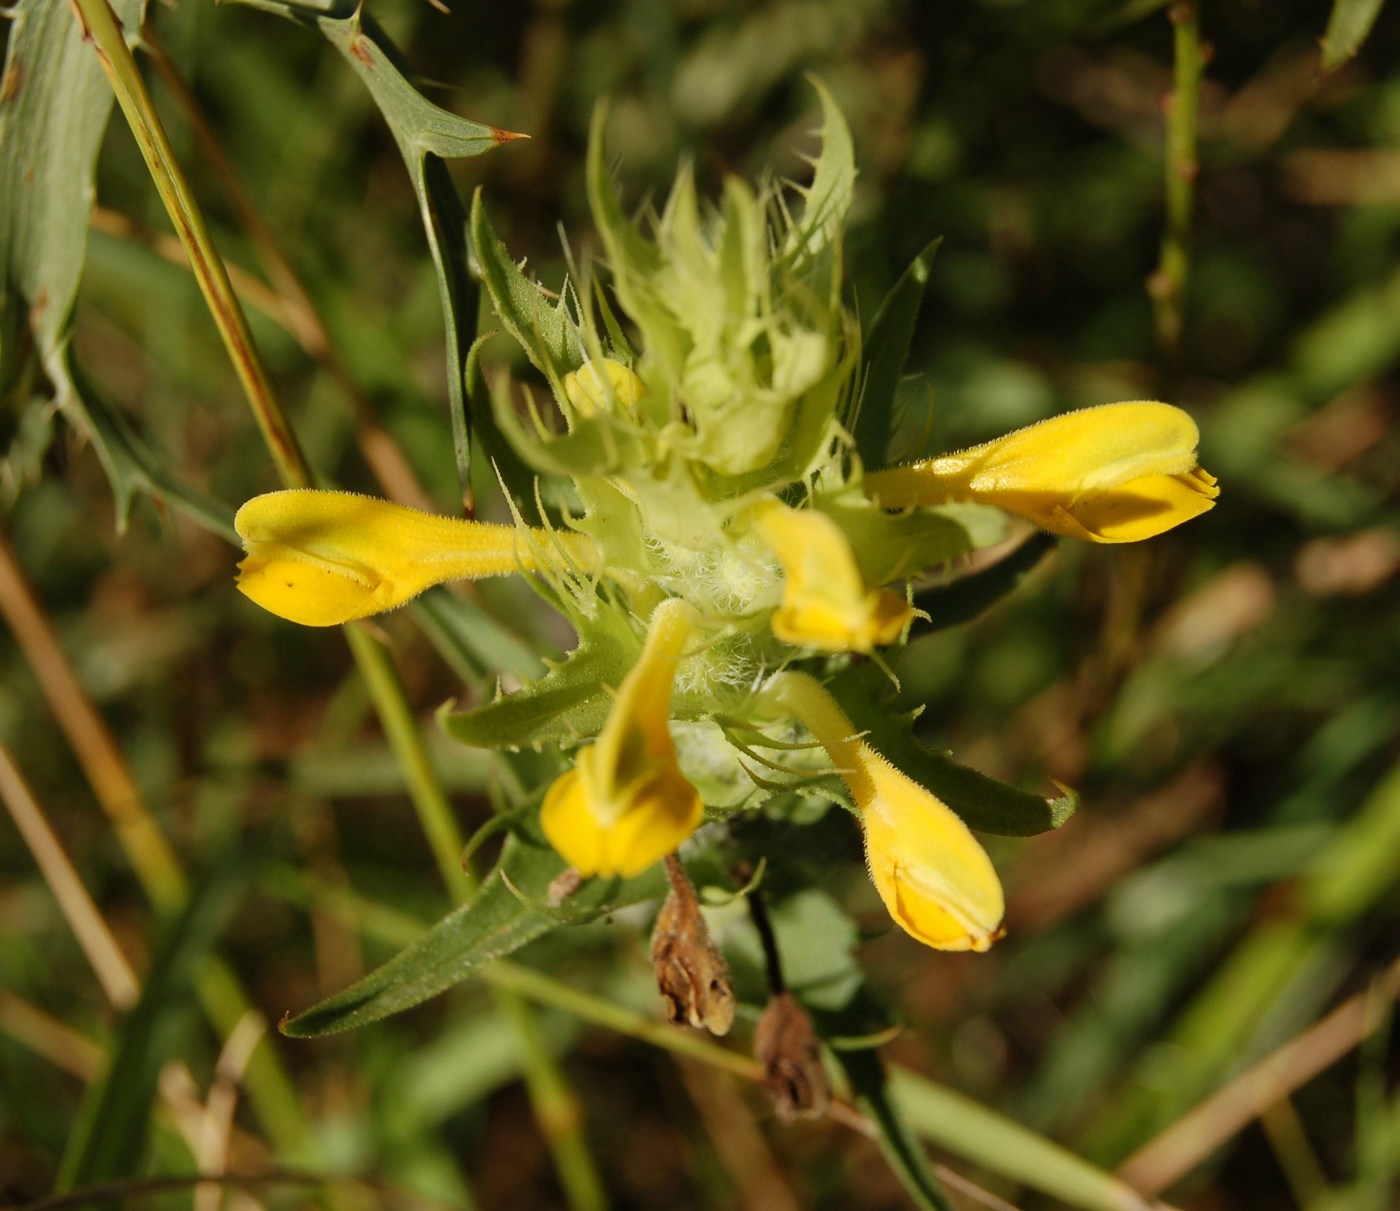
569, 702
507, 913
865, 1071
985, 804
885, 348
967, 598
543, 329
426, 134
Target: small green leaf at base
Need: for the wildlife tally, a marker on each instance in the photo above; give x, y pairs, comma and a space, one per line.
507, 913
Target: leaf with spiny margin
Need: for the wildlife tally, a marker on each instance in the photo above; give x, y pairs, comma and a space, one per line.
1348, 27
828, 197
884, 350
570, 702
509, 911
984, 804
426, 134
542, 328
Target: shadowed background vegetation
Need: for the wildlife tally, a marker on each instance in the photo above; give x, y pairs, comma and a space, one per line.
1196, 985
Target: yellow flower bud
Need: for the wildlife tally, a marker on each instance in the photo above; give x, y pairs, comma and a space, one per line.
626, 804
1115, 473
935, 879
602, 385
322, 558
825, 602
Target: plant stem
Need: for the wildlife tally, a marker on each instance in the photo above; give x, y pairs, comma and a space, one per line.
101, 28
1167, 285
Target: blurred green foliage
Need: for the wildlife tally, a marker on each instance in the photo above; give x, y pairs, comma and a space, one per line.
1225, 700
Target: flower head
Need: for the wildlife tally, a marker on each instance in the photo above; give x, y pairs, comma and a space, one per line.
1115, 473
719, 491
626, 804
935, 879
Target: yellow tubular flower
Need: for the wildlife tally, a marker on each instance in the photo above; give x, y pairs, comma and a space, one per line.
597, 386
626, 804
322, 558
935, 879
1116, 473
825, 602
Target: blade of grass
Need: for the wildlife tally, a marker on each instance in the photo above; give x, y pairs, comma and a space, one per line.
157, 868
1346, 877
106, 958
109, 1137
1195, 1135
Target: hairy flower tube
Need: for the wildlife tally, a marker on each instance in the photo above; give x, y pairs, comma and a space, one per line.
935, 879
626, 804
323, 558
1115, 473
713, 520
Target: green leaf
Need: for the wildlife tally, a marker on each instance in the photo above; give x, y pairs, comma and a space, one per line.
985, 804
569, 702
965, 599
632, 257
51, 126
884, 350
425, 134
990, 1140
470, 639
828, 197
109, 1138
507, 912
893, 546
543, 329
1347, 28
865, 1072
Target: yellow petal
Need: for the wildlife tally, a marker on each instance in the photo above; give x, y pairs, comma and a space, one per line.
934, 877
626, 804
660, 814
825, 603
603, 386
1116, 473
322, 558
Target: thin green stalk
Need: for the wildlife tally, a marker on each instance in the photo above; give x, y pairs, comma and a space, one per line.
101, 28
425, 791
558, 1114
1168, 284
557, 1110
